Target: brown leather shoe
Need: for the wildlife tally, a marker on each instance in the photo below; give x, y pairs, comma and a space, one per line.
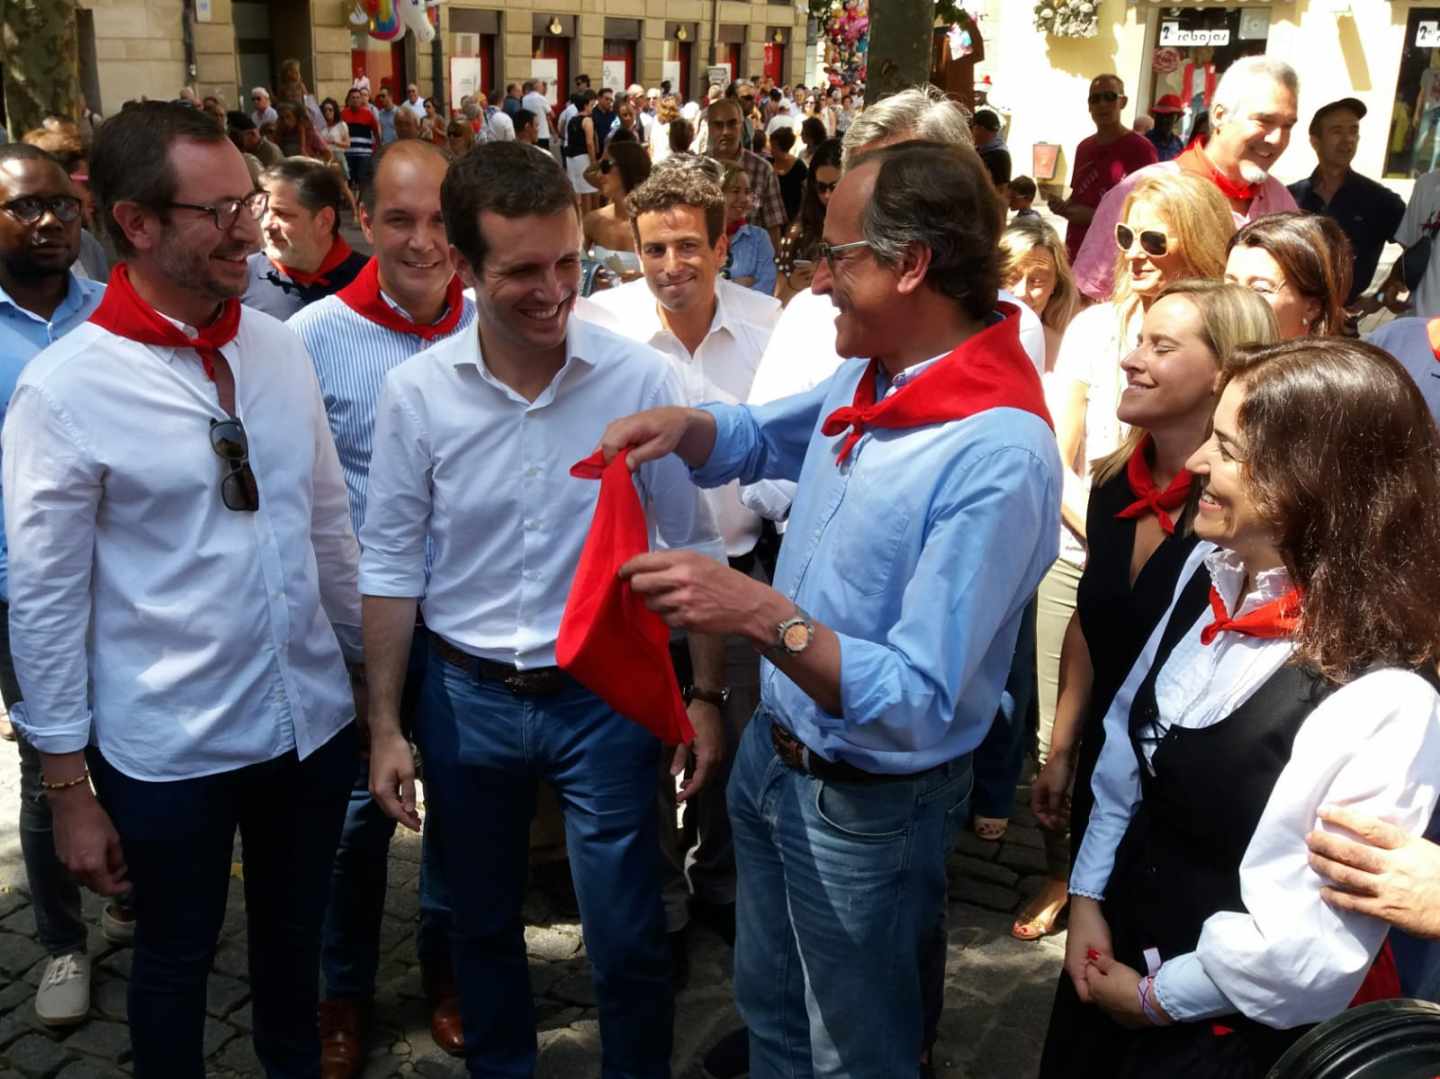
445, 1026
341, 1049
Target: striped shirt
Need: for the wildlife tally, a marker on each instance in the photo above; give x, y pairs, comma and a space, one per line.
364, 129
352, 356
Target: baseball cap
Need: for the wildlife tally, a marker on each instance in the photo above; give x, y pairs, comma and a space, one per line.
1351, 104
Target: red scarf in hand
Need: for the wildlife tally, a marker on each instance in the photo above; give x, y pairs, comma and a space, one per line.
1278, 618
339, 252
1148, 497
125, 314
990, 370
363, 297
613, 644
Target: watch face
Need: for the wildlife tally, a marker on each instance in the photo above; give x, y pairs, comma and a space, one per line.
796, 637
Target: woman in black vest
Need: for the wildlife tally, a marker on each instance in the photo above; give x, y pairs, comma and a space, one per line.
1138, 537
1294, 669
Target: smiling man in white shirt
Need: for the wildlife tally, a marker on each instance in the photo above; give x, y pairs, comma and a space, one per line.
182, 575
713, 333
474, 440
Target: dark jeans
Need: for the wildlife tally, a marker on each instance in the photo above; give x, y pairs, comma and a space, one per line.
54, 897
1001, 756
178, 839
350, 948
484, 752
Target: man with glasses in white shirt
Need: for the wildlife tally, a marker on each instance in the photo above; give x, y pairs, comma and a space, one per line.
182, 583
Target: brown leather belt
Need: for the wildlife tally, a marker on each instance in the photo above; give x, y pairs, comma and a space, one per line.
539, 682
795, 754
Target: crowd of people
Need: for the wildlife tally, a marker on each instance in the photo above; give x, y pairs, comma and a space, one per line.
289, 528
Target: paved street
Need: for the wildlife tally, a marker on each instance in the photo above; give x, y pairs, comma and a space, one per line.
998, 989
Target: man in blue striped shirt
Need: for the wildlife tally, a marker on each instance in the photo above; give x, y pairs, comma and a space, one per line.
406, 298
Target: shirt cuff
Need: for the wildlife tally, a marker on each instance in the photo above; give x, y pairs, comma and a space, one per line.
392, 583
52, 738
1186, 992
729, 453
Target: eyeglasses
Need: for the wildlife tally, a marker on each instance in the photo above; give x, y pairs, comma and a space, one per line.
238, 489
1107, 96
827, 252
226, 214
29, 209
1152, 241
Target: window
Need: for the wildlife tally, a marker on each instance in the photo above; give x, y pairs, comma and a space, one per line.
1194, 47
1414, 146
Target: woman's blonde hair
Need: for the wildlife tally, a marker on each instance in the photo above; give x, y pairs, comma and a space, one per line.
667, 110
1018, 244
1230, 316
1198, 222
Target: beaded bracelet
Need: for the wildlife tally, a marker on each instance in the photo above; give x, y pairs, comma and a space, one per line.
83, 777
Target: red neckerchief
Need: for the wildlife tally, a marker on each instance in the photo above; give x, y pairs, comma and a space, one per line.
338, 253
1238, 190
988, 371
1278, 618
125, 314
363, 297
735, 226
1148, 497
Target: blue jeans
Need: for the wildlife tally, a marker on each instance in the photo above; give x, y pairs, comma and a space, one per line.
178, 838
841, 891
484, 751
350, 946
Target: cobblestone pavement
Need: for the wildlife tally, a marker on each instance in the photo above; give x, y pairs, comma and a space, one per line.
998, 989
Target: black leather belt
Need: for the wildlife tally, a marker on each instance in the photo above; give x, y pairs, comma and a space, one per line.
539, 682
797, 755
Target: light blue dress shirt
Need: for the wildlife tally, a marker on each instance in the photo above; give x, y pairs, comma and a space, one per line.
920, 553
753, 255
23, 334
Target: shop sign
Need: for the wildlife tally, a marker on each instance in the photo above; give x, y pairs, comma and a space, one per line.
1427, 35
1171, 33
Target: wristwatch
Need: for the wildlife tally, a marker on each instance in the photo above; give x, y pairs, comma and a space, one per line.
718, 697
794, 635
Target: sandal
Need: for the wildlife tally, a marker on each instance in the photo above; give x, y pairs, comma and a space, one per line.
1041, 917
991, 829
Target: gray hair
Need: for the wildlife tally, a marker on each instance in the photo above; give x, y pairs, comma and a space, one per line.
937, 196
1241, 76
922, 112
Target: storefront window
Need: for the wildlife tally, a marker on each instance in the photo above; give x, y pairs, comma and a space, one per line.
1414, 146
1193, 48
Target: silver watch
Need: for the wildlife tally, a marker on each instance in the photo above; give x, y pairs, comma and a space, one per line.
794, 635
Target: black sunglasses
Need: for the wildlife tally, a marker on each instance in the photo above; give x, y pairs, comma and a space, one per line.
29, 209
238, 489
1152, 241
1106, 96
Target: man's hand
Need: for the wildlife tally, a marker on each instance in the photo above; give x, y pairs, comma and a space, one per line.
1087, 939
1050, 792
392, 775
86, 841
700, 595
652, 434
709, 749
1391, 875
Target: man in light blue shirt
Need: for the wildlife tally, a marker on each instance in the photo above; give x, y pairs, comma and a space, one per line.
41, 300
915, 542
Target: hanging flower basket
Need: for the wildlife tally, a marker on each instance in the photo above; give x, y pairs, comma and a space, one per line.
1068, 18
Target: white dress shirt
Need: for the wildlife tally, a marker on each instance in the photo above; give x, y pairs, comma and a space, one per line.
537, 104
1373, 746
182, 637
721, 369
801, 355
464, 461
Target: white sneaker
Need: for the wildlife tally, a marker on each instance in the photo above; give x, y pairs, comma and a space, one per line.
63, 998
117, 928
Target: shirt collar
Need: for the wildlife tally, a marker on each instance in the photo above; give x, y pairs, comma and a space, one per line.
581, 348
74, 297
1227, 573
